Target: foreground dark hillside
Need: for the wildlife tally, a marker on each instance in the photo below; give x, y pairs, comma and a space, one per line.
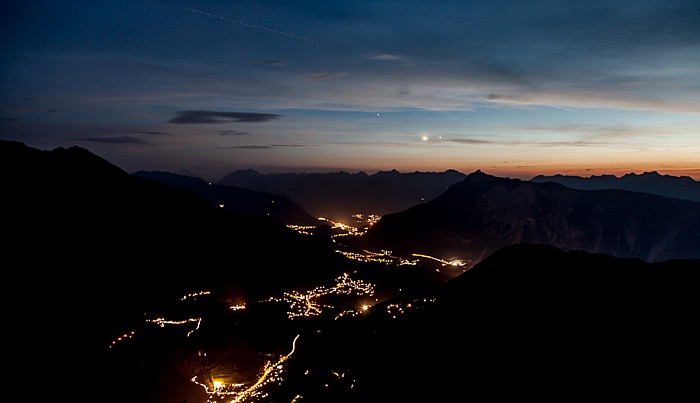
71, 205
483, 213
277, 207
89, 248
530, 320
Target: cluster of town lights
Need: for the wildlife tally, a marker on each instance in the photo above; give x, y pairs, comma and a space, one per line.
305, 304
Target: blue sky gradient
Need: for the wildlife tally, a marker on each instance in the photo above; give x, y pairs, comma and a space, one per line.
513, 88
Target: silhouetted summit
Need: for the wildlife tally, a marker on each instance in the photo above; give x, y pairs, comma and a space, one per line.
681, 187
69, 204
100, 245
483, 213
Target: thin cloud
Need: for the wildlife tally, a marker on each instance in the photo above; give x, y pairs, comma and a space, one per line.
247, 148
325, 76
293, 145
471, 141
267, 147
114, 140
150, 133
233, 133
575, 143
202, 116
565, 100
276, 63
385, 56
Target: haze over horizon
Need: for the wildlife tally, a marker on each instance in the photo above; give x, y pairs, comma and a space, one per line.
509, 88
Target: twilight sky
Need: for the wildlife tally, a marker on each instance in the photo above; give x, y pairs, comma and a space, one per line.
514, 88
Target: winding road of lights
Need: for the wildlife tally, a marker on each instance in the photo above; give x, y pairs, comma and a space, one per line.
272, 372
162, 321
454, 263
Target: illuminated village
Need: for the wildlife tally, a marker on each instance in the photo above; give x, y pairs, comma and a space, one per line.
220, 386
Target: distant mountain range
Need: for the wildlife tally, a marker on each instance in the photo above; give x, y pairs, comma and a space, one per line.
575, 290
483, 213
277, 207
339, 195
681, 187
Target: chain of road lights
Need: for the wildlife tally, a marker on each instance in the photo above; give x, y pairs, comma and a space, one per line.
272, 373
384, 257
304, 304
121, 338
396, 309
300, 304
195, 295
162, 321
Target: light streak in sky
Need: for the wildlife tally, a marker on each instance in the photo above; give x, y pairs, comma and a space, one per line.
259, 27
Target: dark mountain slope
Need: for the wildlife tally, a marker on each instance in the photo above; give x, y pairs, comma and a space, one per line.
681, 187
89, 249
277, 207
484, 213
529, 319
338, 195
71, 204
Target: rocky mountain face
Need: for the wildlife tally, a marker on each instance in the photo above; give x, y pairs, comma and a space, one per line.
483, 213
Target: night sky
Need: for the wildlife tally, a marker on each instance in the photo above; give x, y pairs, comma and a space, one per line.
514, 88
